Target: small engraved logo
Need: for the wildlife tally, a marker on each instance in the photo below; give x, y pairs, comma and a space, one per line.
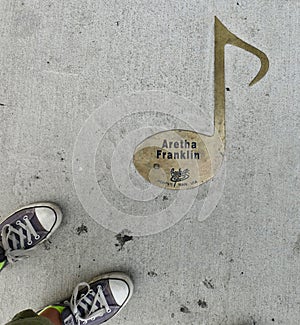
179, 175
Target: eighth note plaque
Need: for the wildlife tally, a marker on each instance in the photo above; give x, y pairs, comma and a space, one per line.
184, 159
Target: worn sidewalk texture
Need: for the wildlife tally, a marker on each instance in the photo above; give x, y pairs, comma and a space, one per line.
61, 61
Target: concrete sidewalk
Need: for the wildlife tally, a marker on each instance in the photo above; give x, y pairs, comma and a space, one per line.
61, 61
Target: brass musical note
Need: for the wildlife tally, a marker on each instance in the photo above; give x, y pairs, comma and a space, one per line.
155, 158
222, 37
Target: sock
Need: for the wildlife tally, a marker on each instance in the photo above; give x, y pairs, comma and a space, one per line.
3, 259
58, 308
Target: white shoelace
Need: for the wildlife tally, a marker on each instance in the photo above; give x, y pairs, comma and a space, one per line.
91, 311
17, 237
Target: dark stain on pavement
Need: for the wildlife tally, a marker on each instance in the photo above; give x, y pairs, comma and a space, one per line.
122, 239
81, 229
184, 309
152, 274
60, 154
202, 303
208, 284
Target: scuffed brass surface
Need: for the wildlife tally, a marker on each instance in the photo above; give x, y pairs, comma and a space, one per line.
191, 173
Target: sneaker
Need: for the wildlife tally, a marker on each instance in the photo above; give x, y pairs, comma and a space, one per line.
96, 302
26, 228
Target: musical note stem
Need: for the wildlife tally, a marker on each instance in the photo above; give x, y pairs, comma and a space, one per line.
222, 37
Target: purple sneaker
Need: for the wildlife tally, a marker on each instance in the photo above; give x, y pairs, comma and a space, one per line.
96, 302
26, 228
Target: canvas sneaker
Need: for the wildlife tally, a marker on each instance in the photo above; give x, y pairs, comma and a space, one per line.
26, 228
96, 302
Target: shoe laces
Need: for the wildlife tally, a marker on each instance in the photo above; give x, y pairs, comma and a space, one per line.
14, 239
88, 306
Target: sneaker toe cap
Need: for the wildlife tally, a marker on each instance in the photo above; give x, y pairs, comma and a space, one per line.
119, 290
47, 217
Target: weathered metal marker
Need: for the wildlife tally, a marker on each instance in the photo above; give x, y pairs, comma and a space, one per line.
183, 159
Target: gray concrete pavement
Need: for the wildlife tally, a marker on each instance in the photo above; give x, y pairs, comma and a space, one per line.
62, 60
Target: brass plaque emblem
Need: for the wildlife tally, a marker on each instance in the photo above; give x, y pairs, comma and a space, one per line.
183, 159
178, 159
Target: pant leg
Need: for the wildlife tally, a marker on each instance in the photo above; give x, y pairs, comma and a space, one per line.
2, 255
29, 317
